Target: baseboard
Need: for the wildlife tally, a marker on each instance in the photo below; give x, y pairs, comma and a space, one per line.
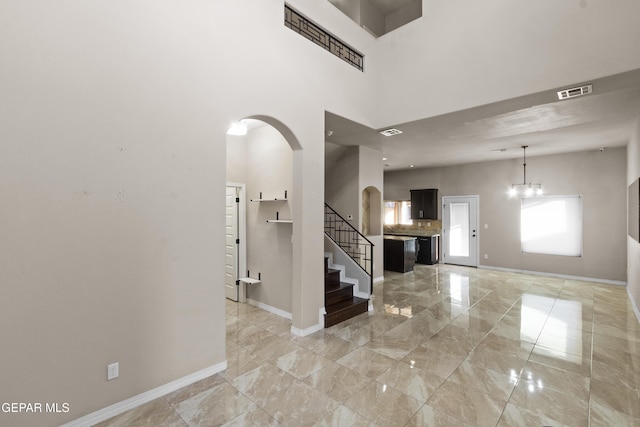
633, 304
378, 279
307, 331
561, 276
270, 309
146, 397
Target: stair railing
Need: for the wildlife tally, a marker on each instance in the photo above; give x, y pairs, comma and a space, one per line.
350, 240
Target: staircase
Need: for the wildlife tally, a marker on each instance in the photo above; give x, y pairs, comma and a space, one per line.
339, 302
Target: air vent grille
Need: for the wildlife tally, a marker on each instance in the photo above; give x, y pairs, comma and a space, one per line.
391, 132
575, 91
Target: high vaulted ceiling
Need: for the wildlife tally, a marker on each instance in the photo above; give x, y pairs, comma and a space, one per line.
604, 118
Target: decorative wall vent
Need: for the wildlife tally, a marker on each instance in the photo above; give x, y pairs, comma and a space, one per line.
322, 38
575, 91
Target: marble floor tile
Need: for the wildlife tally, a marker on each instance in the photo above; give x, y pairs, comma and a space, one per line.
513, 416
301, 405
576, 363
253, 417
435, 361
467, 404
214, 406
480, 347
412, 381
492, 383
264, 384
454, 340
556, 405
344, 416
367, 362
609, 343
329, 346
355, 334
337, 381
391, 346
194, 389
486, 358
429, 416
301, 363
383, 405
541, 376
611, 402
272, 347
616, 366
152, 414
243, 361
572, 342
516, 347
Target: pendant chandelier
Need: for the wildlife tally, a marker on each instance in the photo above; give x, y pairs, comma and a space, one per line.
525, 189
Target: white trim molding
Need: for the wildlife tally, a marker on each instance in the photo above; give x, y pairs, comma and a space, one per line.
146, 397
270, 308
561, 276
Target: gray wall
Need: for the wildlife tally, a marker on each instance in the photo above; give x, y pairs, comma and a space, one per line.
598, 176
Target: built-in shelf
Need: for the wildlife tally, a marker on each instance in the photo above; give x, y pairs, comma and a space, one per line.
275, 199
277, 219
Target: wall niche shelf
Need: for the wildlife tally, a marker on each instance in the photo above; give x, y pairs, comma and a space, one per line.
280, 221
275, 199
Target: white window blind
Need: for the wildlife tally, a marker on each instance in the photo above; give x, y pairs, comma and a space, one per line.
552, 225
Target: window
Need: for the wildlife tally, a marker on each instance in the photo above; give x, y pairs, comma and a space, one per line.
552, 225
397, 212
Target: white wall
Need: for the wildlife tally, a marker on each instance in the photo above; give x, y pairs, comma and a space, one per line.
112, 175
462, 54
598, 177
633, 247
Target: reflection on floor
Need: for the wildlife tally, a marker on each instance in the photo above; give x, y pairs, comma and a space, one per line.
445, 346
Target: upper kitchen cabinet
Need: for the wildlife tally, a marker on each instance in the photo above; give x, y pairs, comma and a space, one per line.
424, 204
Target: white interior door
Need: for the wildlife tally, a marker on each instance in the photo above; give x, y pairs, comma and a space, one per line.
231, 244
460, 230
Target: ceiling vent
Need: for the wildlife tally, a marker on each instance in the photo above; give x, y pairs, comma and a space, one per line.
391, 132
575, 91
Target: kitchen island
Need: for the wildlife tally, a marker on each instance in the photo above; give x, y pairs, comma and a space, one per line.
399, 253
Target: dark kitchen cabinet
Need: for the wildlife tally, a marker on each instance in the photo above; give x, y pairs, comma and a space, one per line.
424, 204
428, 249
399, 253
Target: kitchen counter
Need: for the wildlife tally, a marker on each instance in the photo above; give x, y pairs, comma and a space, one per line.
401, 237
413, 234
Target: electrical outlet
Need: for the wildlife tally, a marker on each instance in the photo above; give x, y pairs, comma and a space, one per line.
486, 256
113, 371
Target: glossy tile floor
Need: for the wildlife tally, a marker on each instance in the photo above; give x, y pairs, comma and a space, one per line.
445, 346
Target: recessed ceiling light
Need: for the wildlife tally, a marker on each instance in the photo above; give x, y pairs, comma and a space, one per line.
391, 132
412, 166
384, 158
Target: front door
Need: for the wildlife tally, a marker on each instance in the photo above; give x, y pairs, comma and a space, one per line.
231, 244
460, 230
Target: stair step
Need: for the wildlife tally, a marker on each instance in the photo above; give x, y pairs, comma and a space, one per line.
342, 292
332, 277
344, 310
